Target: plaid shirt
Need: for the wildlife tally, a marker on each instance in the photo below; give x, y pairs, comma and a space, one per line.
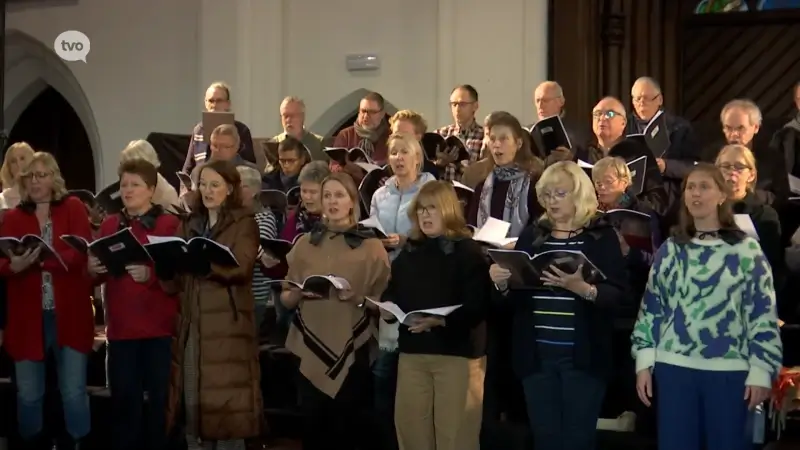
472, 136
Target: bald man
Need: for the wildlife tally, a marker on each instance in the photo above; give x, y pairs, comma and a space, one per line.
683, 150
548, 99
609, 122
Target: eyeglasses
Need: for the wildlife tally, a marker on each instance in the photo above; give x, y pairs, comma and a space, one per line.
608, 182
285, 161
644, 98
556, 195
369, 112
214, 101
736, 167
461, 104
429, 209
38, 175
606, 114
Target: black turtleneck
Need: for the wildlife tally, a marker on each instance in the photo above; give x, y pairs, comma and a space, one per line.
439, 272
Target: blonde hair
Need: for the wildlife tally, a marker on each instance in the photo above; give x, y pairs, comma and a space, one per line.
226, 130
442, 196
49, 162
583, 193
352, 191
5, 172
616, 165
743, 152
410, 143
748, 106
140, 149
413, 117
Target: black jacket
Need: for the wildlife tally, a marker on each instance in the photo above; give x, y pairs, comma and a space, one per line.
679, 158
439, 272
768, 226
772, 187
594, 321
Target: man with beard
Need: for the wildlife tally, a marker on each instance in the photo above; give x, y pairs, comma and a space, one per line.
369, 133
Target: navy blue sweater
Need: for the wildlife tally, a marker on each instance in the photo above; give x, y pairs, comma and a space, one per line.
593, 322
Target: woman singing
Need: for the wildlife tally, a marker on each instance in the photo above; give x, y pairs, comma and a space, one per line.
563, 326
49, 306
441, 365
215, 352
332, 335
707, 327
140, 316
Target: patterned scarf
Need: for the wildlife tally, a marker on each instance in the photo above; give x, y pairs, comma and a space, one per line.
305, 221
369, 136
515, 208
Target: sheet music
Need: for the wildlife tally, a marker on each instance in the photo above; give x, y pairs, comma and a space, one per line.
494, 232
794, 184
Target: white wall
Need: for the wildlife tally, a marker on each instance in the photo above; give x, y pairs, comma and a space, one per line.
150, 62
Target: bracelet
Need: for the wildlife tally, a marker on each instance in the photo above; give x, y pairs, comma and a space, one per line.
591, 295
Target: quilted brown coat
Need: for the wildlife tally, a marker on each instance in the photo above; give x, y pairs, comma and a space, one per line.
221, 306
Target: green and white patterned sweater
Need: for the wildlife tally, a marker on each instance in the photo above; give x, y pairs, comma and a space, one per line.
710, 305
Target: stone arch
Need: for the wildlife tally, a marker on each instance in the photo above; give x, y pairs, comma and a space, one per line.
335, 116
31, 67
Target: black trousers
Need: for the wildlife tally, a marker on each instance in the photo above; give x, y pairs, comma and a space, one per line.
136, 366
343, 422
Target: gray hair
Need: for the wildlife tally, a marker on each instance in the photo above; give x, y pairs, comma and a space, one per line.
140, 149
293, 99
250, 177
746, 105
649, 80
314, 172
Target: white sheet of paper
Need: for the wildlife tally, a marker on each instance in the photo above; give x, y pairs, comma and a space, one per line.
404, 317
794, 184
494, 232
459, 185
373, 222
584, 165
745, 223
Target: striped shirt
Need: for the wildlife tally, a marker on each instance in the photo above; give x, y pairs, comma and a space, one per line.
554, 309
267, 229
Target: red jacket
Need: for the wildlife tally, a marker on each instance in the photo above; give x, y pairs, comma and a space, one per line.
72, 287
139, 310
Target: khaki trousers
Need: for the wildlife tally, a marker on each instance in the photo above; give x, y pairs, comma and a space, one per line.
439, 402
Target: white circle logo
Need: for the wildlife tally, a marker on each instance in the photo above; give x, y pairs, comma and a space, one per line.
72, 46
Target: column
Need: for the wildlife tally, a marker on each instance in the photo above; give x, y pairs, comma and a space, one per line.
446, 60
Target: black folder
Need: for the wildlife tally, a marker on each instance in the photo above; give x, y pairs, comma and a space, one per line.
527, 270
17, 246
195, 256
278, 200
343, 155
550, 134
278, 248
655, 135
371, 182
108, 199
115, 252
632, 149
635, 227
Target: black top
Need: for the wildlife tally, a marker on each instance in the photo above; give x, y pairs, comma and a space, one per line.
593, 320
434, 273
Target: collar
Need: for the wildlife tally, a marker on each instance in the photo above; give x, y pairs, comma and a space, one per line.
147, 220
445, 244
353, 237
29, 206
466, 129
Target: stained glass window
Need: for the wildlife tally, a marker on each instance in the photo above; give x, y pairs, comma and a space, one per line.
725, 6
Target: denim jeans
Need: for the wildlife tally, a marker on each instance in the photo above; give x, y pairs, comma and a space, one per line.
136, 366
563, 405
71, 369
384, 372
